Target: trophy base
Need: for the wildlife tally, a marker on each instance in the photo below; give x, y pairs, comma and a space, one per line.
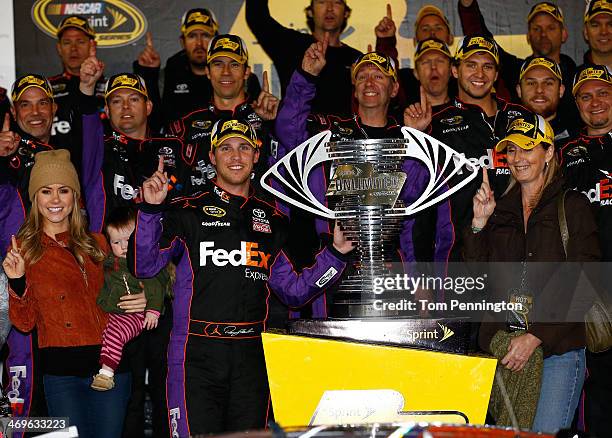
369, 308
451, 335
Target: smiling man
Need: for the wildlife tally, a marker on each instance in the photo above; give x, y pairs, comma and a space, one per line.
472, 123
587, 165
230, 247
541, 88
227, 69
546, 34
597, 32
374, 78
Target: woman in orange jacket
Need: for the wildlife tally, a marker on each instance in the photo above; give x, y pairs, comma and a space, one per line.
55, 272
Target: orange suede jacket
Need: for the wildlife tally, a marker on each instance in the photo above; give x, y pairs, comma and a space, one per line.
60, 299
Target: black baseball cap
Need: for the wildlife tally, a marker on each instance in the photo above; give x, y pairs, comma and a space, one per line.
383, 62
224, 129
546, 8
129, 81
29, 81
540, 61
76, 22
228, 45
596, 7
430, 44
591, 73
476, 43
199, 18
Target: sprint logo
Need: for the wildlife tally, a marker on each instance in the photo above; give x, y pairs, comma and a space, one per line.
446, 332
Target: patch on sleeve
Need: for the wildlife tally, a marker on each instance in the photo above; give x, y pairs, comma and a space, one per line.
324, 279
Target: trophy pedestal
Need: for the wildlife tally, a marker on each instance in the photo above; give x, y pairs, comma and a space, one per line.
316, 381
450, 335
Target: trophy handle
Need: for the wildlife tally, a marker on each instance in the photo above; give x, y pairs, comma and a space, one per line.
442, 162
292, 173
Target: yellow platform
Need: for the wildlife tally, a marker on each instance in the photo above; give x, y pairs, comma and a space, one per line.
320, 381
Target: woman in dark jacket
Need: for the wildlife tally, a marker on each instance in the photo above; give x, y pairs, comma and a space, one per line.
524, 227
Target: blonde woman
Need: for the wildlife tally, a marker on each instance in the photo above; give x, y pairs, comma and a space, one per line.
55, 272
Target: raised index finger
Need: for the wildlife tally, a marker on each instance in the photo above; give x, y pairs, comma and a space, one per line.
389, 14
160, 164
325, 42
266, 83
14, 243
149, 39
92, 50
6, 124
485, 176
423, 98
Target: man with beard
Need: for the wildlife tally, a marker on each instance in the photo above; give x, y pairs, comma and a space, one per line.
472, 124
546, 33
186, 85
286, 48
541, 88
587, 164
597, 32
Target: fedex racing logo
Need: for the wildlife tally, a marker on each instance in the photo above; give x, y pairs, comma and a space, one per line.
126, 191
602, 192
17, 373
175, 415
492, 160
247, 255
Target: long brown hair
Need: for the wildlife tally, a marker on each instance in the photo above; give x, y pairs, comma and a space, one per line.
82, 243
551, 172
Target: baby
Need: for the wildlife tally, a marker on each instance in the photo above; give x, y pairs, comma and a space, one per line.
122, 327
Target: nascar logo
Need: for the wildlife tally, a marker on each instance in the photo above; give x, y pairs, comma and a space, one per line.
116, 22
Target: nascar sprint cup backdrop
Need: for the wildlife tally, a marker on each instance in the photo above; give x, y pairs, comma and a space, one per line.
121, 27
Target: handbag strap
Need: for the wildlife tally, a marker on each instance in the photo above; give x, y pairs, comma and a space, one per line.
562, 220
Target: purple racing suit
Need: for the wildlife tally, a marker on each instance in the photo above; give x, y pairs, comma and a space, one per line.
229, 253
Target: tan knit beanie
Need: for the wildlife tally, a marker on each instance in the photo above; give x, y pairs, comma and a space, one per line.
53, 167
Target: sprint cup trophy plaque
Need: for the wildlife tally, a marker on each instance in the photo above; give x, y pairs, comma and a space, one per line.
363, 193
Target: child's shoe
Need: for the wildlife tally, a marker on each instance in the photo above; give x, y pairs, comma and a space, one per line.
102, 382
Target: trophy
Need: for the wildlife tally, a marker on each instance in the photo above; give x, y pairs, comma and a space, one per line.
363, 195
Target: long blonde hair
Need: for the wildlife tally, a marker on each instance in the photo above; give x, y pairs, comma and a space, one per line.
82, 243
550, 173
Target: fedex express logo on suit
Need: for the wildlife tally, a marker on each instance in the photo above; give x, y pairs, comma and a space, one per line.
247, 255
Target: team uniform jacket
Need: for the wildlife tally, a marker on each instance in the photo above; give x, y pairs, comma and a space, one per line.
195, 130
587, 166
115, 166
67, 131
230, 254
468, 130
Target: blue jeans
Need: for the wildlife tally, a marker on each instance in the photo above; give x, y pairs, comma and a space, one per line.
562, 380
94, 413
